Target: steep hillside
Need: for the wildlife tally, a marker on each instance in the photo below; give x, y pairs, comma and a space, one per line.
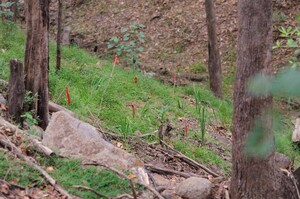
176, 38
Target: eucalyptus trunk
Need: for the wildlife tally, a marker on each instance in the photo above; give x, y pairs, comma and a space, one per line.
254, 176
37, 56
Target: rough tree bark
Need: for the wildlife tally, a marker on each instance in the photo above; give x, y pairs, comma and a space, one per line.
254, 177
214, 61
37, 56
16, 90
58, 38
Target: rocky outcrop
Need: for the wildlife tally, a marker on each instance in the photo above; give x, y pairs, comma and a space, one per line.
73, 138
194, 188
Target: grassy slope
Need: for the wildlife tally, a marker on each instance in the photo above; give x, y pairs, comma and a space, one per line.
87, 76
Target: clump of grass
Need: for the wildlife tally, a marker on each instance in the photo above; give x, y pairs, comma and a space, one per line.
198, 68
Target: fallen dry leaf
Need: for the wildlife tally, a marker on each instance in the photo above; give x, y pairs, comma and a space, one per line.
50, 169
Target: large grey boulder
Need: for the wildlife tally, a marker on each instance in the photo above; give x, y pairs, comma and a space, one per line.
194, 188
73, 138
296, 133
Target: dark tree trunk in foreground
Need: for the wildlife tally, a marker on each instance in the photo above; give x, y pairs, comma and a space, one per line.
214, 61
36, 56
254, 177
58, 39
16, 90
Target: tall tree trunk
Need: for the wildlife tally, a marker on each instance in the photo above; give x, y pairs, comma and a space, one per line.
214, 61
37, 56
58, 39
254, 177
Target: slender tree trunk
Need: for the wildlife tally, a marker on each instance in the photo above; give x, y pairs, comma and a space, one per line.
37, 56
254, 177
16, 90
214, 61
58, 39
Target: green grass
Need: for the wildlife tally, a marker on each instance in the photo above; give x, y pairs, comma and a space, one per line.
66, 172
97, 178
202, 155
12, 169
86, 77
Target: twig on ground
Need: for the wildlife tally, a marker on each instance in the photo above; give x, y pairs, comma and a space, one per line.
92, 190
128, 179
12, 148
191, 161
169, 171
42, 148
147, 134
13, 186
53, 107
100, 194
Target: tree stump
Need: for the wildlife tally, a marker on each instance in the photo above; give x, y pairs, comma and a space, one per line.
16, 89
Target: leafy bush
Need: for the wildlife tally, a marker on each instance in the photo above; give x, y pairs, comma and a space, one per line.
130, 44
290, 39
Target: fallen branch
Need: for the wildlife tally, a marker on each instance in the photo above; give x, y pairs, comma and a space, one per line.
147, 134
128, 179
42, 148
100, 194
12, 186
14, 129
169, 171
190, 161
13, 149
92, 190
53, 107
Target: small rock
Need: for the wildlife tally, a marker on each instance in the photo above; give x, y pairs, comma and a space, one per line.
282, 161
147, 195
141, 175
160, 180
296, 133
194, 188
2, 100
170, 194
